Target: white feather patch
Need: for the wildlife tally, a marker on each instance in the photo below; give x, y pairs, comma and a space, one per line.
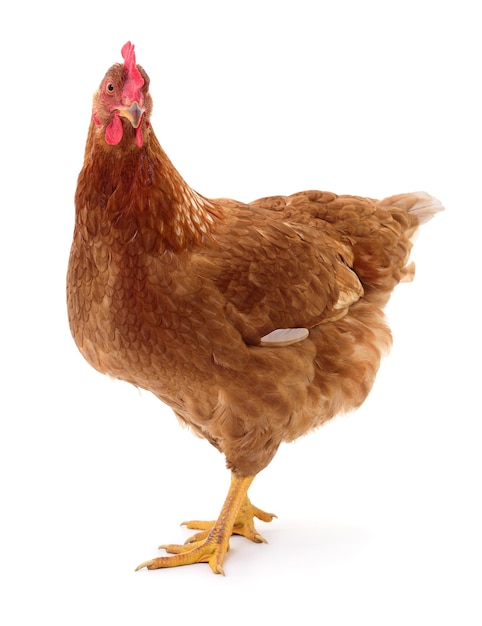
284, 337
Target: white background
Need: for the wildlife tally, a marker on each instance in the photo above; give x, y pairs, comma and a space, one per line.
378, 512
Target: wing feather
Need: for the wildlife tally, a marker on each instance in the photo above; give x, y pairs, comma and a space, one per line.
280, 275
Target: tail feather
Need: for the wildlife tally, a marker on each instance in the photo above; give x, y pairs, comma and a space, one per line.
425, 207
421, 207
421, 204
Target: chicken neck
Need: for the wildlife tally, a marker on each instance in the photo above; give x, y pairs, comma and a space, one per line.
143, 185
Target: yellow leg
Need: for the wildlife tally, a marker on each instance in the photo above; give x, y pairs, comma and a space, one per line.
243, 524
210, 545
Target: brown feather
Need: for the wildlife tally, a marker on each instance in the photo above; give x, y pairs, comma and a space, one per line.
178, 294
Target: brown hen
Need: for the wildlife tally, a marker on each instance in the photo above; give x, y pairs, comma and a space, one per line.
255, 322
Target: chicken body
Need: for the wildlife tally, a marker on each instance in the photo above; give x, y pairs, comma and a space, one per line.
180, 295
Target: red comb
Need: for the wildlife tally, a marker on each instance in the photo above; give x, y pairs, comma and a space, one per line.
135, 80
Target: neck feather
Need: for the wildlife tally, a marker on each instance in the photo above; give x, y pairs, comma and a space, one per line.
143, 186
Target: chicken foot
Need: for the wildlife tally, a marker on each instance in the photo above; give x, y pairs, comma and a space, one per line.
243, 524
211, 544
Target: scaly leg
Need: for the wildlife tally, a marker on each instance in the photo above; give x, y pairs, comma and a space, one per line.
211, 545
243, 524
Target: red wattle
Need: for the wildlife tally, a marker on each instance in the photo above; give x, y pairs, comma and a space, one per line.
113, 132
139, 137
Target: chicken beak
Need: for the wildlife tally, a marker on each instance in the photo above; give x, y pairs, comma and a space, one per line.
133, 113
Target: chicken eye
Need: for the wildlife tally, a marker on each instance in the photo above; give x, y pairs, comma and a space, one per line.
110, 88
